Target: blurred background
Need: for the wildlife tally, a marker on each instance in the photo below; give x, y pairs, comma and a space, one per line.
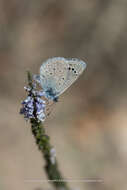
88, 127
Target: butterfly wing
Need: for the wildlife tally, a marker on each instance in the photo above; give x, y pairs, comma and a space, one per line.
59, 73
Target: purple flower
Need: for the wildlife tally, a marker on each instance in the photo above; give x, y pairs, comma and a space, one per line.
27, 107
33, 106
40, 109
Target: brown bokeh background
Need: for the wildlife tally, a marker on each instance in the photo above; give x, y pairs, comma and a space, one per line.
88, 127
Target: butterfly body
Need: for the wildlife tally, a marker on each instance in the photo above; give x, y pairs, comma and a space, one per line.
50, 95
57, 74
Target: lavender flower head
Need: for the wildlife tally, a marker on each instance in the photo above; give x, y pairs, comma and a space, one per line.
33, 106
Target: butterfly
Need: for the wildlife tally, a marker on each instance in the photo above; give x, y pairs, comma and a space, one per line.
57, 74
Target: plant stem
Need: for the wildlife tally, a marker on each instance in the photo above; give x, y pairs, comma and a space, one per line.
43, 143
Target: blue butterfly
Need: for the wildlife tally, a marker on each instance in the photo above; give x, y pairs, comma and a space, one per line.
57, 74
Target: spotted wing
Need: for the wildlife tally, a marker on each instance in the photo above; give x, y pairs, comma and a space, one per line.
59, 73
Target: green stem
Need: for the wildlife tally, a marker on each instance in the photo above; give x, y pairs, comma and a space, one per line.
43, 143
